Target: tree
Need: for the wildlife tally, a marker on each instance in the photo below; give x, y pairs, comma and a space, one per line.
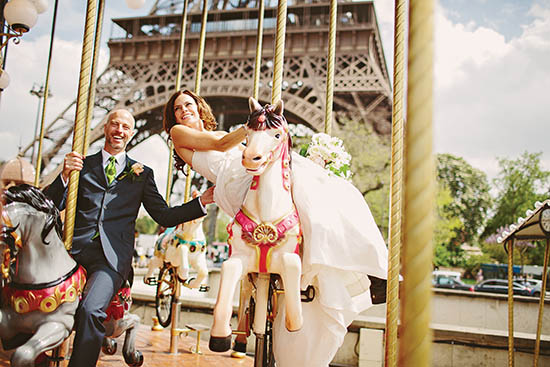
146, 225
471, 200
446, 251
520, 183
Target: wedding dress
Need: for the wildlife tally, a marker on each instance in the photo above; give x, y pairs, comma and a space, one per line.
342, 244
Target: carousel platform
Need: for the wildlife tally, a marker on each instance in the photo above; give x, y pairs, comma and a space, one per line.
155, 346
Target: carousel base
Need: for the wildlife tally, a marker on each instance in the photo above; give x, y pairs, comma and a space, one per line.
155, 346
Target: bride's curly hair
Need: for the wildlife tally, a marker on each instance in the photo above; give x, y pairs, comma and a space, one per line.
169, 118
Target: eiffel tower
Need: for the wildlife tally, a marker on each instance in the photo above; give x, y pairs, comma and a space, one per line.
143, 64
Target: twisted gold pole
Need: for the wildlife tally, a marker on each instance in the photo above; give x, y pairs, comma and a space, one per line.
259, 41
176, 306
541, 304
44, 101
416, 337
91, 96
280, 34
80, 118
330, 66
396, 196
510, 303
178, 87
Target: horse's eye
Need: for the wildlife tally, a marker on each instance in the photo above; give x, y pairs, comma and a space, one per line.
278, 136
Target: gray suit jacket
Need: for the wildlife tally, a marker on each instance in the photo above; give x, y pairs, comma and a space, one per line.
111, 210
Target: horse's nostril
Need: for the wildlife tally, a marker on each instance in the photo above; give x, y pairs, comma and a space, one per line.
257, 158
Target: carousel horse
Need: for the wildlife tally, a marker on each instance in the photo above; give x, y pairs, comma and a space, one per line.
43, 284
182, 248
265, 235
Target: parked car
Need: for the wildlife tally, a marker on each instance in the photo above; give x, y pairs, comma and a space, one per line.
501, 286
443, 281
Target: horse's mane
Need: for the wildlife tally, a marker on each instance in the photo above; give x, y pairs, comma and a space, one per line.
266, 118
32, 196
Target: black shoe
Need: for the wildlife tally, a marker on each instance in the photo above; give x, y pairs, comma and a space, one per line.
220, 343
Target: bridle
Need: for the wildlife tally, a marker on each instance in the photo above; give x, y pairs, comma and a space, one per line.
13, 241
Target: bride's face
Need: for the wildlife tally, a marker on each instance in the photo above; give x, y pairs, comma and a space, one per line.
187, 113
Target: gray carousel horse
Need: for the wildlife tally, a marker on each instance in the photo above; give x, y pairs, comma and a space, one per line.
42, 284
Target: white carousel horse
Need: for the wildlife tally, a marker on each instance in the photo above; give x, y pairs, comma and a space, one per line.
183, 248
43, 284
265, 235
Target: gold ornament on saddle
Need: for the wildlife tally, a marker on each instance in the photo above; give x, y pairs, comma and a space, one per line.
265, 232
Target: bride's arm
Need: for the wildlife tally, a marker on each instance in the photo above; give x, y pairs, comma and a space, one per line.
185, 137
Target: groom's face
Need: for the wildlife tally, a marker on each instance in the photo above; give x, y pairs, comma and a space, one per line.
118, 130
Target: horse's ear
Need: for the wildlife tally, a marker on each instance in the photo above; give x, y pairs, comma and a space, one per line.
254, 105
279, 107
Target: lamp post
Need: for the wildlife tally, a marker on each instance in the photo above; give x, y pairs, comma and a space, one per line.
37, 90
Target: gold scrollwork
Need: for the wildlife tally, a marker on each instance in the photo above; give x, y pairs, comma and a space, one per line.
71, 294
265, 232
21, 305
48, 304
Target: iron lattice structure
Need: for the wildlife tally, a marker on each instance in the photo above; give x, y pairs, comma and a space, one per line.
143, 66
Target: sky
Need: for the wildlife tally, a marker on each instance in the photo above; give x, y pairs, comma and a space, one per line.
491, 74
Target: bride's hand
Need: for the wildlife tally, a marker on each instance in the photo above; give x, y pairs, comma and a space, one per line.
207, 197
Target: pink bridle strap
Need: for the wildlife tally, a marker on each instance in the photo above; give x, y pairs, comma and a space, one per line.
266, 236
285, 163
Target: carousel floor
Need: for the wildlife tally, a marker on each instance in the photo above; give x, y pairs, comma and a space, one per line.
155, 346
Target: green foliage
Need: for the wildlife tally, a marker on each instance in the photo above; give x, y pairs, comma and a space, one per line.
520, 183
221, 227
146, 225
469, 189
473, 263
447, 251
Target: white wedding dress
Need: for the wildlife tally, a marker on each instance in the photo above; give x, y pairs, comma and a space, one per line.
342, 244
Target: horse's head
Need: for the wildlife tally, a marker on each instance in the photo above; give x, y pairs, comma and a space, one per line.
268, 139
27, 216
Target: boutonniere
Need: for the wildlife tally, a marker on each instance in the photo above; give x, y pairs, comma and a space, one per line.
133, 171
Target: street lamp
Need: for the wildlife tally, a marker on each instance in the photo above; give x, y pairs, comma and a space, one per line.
39, 92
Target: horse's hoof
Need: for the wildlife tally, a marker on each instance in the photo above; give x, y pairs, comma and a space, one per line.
239, 347
134, 359
109, 346
220, 343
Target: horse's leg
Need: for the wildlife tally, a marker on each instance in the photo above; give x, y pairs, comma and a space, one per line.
220, 335
244, 302
290, 273
154, 263
199, 264
132, 357
183, 262
48, 336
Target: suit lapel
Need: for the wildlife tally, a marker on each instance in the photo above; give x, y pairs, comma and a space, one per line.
96, 164
125, 172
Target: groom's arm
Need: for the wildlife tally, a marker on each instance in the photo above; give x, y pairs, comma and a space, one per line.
171, 216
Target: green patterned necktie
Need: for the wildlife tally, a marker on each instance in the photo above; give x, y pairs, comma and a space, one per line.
110, 170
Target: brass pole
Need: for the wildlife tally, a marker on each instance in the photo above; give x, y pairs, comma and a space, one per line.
259, 41
396, 195
278, 61
176, 305
510, 303
541, 304
416, 337
44, 101
80, 118
91, 96
178, 87
330, 66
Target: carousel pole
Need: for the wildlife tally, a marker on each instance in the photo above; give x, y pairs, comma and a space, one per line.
280, 34
396, 196
330, 66
541, 304
80, 118
416, 337
44, 101
510, 303
259, 42
91, 96
176, 305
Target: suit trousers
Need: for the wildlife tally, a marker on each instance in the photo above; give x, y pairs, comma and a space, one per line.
101, 285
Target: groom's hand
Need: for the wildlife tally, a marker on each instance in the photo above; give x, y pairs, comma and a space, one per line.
207, 197
73, 161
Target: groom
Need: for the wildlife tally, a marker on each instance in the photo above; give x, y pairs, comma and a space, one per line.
111, 189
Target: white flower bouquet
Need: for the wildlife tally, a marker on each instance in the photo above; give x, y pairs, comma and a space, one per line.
329, 152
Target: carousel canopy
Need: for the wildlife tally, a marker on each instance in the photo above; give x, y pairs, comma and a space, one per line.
535, 226
16, 171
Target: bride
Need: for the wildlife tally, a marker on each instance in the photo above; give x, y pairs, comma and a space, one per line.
342, 244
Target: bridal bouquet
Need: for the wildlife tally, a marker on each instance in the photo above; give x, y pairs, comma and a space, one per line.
328, 151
